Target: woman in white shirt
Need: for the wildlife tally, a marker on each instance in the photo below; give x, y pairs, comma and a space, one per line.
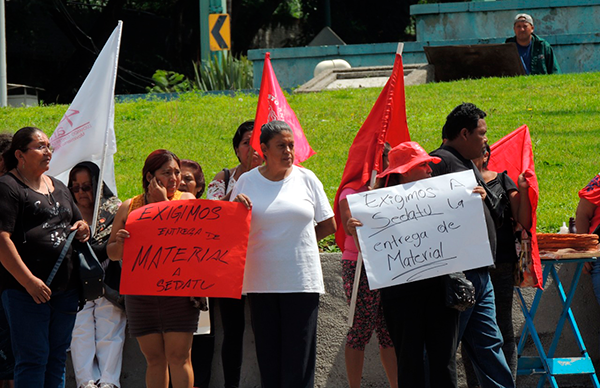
283, 277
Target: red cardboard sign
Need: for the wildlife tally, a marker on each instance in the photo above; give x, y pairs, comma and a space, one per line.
194, 247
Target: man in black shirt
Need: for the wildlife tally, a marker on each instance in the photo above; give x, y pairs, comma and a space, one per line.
464, 136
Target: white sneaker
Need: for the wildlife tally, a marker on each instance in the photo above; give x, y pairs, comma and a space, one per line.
90, 384
107, 385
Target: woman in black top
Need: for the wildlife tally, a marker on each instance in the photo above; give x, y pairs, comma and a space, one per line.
514, 200
38, 214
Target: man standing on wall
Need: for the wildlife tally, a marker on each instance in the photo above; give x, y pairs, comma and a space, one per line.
536, 54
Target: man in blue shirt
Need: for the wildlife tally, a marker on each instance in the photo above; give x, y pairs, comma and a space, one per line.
536, 54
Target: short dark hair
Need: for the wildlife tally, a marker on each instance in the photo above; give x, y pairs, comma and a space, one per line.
466, 115
154, 161
198, 175
20, 141
5, 141
272, 128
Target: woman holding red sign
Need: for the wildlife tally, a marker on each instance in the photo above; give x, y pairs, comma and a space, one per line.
283, 278
163, 325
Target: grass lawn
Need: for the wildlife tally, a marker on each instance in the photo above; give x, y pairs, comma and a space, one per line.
562, 112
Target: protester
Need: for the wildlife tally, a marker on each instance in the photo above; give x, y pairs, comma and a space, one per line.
162, 325
465, 133
283, 277
7, 360
233, 320
99, 333
38, 213
587, 220
223, 183
368, 314
192, 181
192, 178
431, 325
536, 54
516, 216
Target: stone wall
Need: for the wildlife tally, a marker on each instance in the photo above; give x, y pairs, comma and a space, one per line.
332, 328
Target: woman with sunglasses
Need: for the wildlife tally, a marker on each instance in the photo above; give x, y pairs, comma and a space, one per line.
99, 333
38, 213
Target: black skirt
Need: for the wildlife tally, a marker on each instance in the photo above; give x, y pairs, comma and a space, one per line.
160, 314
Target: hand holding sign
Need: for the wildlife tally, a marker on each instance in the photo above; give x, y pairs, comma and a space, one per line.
186, 248
422, 229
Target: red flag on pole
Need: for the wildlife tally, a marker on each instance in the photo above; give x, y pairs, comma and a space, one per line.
386, 122
272, 105
514, 154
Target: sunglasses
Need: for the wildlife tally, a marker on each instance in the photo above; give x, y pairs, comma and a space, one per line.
84, 188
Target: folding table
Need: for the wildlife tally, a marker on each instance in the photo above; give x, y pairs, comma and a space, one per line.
545, 364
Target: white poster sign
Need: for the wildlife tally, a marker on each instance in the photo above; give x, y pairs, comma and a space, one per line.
421, 229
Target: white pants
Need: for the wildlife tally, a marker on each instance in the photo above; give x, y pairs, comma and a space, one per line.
97, 345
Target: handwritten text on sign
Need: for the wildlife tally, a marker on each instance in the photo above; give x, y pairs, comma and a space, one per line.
421, 229
186, 248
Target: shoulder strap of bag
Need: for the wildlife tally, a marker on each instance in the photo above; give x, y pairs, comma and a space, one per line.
63, 253
227, 177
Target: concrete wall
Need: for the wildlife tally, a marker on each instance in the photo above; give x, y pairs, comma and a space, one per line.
333, 314
467, 20
571, 26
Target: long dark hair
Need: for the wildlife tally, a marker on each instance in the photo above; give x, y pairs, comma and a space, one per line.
389, 180
154, 161
20, 141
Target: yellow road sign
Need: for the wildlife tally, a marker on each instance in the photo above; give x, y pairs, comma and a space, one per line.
220, 37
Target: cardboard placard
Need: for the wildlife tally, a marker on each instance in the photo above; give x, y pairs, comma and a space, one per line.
421, 229
193, 247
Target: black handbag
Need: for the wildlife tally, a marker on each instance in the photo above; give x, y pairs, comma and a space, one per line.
460, 292
496, 203
91, 274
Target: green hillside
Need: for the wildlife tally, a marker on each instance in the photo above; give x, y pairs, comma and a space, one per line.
562, 112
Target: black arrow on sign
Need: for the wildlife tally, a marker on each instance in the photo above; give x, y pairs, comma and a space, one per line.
216, 32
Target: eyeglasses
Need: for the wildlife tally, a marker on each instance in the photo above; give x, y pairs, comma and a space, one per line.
84, 188
43, 148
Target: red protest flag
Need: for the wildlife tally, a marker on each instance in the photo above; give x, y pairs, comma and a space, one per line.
271, 106
514, 154
386, 123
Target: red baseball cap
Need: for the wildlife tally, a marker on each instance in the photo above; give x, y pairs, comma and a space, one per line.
406, 156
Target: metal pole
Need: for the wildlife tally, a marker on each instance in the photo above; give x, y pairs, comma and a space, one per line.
204, 37
3, 79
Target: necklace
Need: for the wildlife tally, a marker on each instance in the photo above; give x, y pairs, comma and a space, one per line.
49, 196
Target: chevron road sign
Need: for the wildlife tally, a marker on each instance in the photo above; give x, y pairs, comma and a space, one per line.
218, 25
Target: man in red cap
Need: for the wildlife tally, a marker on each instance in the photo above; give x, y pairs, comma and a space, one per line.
465, 137
536, 54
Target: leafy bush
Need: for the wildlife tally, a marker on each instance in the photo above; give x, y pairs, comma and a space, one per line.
166, 81
224, 73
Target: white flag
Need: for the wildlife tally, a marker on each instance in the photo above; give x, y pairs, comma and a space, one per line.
86, 131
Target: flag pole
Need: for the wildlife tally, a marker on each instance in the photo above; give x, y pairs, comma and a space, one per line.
359, 261
111, 120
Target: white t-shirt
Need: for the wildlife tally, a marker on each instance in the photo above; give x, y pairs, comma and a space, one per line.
283, 255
